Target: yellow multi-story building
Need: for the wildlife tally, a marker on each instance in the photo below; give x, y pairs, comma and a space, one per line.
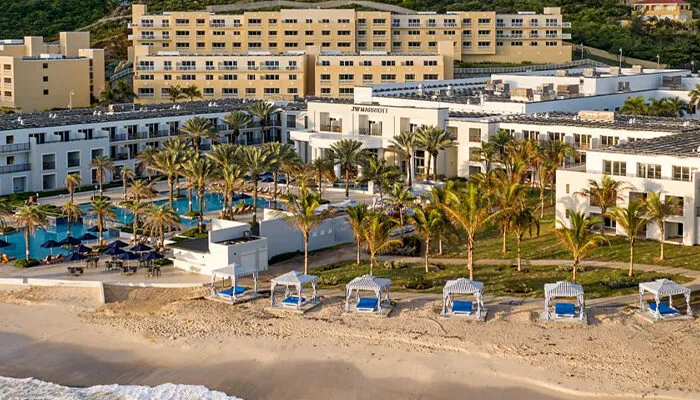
676, 10
36, 76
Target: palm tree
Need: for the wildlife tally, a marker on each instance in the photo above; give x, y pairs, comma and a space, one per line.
604, 195
658, 107
104, 211
29, 218
283, 155
632, 219
262, 110
634, 106
428, 224
509, 197
160, 218
102, 165
404, 145
230, 178
126, 173
357, 216
470, 209
379, 173
141, 189
657, 212
579, 239
72, 181
301, 214
201, 171
198, 128
377, 236
72, 212
137, 209
175, 93
144, 160
323, 169
399, 198
256, 160
192, 92
694, 96
523, 221
496, 148
433, 139
236, 120
168, 162
676, 107
348, 153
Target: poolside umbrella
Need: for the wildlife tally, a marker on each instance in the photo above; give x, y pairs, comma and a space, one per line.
49, 244
113, 251
140, 248
118, 244
82, 249
70, 241
94, 229
152, 256
128, 256
75, 257
3, 243
87, 236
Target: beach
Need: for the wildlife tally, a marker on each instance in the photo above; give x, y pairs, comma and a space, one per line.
150, 336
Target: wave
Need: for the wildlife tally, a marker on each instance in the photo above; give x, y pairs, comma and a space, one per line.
30, 388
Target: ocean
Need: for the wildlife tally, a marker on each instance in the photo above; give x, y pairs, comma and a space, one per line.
30, 388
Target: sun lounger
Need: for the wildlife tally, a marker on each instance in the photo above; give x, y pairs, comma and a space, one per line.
664, 308
292, 301
564, 310
229, 292
367, 304
75, 271
462, 307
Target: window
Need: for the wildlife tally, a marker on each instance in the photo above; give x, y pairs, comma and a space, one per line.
344, 33
367, 77
652, 171
269, 91
408, 63
346, 91
208, 91
167, 77
615, 168
292, 91
325, 90
684, 174
346, 77
291, 33
45, 79
484, 44
309, 33
346, 63
409, 77
483, 21
46, 92
325, 77
430, 77
388, 63
44, 66
609, 140
379, 21
366, 63
73, 159
388, 77
431, 63
229, 92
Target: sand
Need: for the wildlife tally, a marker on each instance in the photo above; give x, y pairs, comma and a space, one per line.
150, 336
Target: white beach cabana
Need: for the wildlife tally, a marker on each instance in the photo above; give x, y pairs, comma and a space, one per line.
564, 311
374, 304
293, 280
452, 307
235, 292
661, 288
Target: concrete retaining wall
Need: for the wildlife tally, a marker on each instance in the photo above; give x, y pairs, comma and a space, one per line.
29, 282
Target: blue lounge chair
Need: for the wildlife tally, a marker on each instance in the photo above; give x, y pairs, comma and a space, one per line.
229, 292
462, 307
293, 301
664, 308
564, 310
367, 304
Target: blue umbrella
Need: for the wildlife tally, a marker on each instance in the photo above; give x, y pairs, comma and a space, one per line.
118, 244
139, 248
75, 257
3, 243
153, 256
87, 236
113, 251
127, 255
82, 249
50, 244
70, 241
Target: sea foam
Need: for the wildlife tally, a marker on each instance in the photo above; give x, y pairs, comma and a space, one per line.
30, 388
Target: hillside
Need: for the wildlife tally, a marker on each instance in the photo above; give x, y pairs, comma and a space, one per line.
595, 22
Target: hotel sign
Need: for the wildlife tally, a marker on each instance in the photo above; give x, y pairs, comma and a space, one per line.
373, 110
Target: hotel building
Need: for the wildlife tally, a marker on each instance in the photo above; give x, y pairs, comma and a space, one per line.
675, 10
37, 76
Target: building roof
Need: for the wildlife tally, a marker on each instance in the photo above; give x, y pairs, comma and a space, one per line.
681, 145
200, 245
661, 2
622, 122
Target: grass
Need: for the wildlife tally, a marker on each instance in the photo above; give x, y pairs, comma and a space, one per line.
498, 280
546, 246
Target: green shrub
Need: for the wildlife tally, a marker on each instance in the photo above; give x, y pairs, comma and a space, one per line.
518, 288
163, 261
331, 280
418, 283
395, 265
621, 283
283, 257
328, 267
570, 268
193, 214
27, 263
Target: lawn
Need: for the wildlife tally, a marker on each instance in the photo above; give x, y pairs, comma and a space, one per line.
546, 246
498, 280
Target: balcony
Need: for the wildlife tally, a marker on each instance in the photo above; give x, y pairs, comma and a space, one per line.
414, 24
11, 148
332, 128
8, 169
566, 24
450, 24
371, 131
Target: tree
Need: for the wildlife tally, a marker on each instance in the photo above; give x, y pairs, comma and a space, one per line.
496, 148
175, 93
555, 153
301, 214
433, 139
509, 197
126, 173
523, 221
29, 217
229, 179
144, 160
428, 224
201, 172
379, 173
632, 219
192, 92
236, 120
377, 236
224, 154
160, 218
198, 128
72, 181
256, 160
104, 211
168, 162
694, 96
357, 216
323, 169
348, 153
102, 165
657, 212
399, 198
676, 107
539, 163
634, 106
604, 195
470, 209
283, 155
579, 239
404, 145
137, 209
141, 189
72, 212
262, 110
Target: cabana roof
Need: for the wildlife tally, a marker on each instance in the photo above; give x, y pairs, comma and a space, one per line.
462, 285
232, 271
563, 289
293, 278
664, 287
368, 282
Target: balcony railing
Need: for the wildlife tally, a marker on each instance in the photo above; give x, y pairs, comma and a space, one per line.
332, 128
10, 148
370, 131
8, 169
